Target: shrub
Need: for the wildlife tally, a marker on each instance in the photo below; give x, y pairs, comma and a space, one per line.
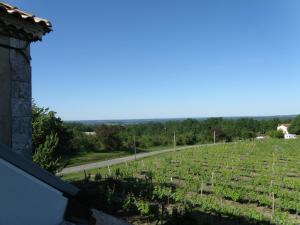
44, 123
295, 125
45, 154
83, 142
98, 177
276, 134
109, 136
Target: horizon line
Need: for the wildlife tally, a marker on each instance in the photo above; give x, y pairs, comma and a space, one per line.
183, 118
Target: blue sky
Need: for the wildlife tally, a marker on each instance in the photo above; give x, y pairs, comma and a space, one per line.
117, 59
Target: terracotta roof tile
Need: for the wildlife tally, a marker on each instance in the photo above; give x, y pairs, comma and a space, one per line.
14, 11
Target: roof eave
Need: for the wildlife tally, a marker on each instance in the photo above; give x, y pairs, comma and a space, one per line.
22, 25
34, 170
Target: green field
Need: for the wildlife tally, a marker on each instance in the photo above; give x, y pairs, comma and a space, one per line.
240, 183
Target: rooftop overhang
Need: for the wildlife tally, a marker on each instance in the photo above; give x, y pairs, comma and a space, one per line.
22, 25
34, 170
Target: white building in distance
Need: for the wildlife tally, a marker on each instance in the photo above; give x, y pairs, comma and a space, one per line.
285, 130
90, 133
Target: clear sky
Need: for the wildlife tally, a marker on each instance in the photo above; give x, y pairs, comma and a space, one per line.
128, 59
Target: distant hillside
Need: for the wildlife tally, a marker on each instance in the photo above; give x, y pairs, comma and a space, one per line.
141, 121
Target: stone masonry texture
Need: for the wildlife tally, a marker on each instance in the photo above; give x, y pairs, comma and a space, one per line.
15, 96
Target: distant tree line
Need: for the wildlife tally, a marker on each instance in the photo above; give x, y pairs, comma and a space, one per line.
192, 131
187, 132
54, 139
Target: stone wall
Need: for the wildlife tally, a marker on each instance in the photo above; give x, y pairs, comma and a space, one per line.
5, 96
15, 96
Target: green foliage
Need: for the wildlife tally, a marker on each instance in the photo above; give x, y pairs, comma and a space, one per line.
45, 154
245, 176
143, 207
83, 142
98, 177
50, 139
44, 123
109, 136
79, 126
155, 134
191, 131
295, 125
276, 134
129, 205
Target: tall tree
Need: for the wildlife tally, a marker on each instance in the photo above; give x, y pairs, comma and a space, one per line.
295, 125
45, 157
50, 138
44, 123
109, 136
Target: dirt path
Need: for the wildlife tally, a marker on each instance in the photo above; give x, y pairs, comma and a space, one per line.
110, 162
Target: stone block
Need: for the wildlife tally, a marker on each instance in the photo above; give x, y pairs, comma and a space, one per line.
22, 136
5, 130
21, 69
21, 125
21, 90
21, 107
24, 149
15, 96
5, 94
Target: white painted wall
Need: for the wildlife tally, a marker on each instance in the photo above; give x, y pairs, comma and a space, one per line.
90, 133
283, 128
290, 136
24, 200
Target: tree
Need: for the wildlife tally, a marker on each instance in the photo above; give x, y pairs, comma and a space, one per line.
44, 123
84, 142
295, 125
109, 136
50, 138
276, 134
45, 157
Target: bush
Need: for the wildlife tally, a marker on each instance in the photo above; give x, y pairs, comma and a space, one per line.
44, 123
98, 177
276, 134
83, 142
45, 154
50, 139
109, 136
295, 125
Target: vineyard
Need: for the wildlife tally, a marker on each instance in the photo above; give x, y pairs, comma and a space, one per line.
254, 182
